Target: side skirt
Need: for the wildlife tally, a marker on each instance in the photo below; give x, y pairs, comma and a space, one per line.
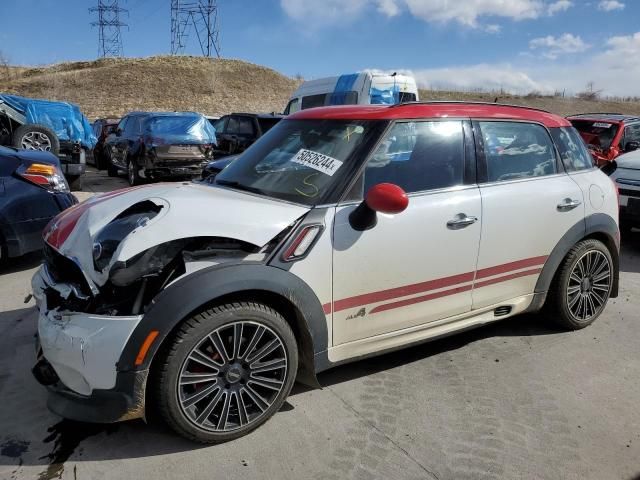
399, 339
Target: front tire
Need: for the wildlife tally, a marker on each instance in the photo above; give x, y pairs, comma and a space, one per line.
582, 285
228, 370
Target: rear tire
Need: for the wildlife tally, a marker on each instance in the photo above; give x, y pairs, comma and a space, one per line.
241, 387
626, 227
36, 137
75, 182
582, 286
4, 254
133, 176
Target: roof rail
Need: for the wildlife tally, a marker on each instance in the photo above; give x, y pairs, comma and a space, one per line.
463, 102
593, 113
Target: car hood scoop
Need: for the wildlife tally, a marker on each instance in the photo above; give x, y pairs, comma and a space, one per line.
188, 210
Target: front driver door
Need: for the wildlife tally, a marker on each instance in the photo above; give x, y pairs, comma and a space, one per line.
417, 266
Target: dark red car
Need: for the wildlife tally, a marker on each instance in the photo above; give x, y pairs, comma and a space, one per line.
608, 135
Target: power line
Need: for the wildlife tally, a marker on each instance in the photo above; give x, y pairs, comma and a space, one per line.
109, 23
202, 15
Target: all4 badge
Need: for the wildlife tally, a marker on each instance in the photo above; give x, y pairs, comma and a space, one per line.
361, 313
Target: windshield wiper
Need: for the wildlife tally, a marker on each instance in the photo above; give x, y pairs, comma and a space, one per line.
239, 186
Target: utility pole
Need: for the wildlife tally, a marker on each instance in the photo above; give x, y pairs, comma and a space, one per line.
109, 23
202, 16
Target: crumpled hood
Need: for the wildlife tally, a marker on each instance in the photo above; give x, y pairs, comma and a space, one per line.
189, 210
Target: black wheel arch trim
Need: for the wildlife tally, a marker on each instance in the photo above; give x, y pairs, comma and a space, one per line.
192, 293
594, 226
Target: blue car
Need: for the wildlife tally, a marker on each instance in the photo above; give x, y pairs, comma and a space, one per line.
33, 190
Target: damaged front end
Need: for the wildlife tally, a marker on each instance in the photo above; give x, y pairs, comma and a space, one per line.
106, 260
130, 285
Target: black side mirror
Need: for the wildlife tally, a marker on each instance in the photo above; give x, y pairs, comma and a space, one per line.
631, 146
118, 132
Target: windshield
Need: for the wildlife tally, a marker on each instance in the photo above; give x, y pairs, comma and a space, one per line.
299, 160
597, 135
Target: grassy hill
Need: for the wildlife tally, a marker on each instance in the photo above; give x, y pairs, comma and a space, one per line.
112, 87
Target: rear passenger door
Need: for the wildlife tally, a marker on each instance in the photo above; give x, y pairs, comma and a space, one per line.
528, 204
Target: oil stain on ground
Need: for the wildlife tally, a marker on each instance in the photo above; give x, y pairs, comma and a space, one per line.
13, 448
66, 435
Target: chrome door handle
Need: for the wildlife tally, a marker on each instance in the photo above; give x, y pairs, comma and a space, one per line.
461, 220
568, 204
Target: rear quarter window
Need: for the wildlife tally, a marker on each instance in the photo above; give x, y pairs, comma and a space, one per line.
572, 148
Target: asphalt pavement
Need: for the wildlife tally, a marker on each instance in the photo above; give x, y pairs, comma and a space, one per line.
515, 399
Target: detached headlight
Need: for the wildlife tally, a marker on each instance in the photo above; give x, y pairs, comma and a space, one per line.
107, 241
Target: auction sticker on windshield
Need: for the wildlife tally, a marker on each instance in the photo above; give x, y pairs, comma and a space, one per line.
322, 163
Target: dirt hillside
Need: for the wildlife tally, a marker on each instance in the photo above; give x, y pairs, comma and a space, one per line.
112, 87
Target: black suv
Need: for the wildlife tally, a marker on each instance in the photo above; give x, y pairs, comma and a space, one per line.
155, 145
237, 131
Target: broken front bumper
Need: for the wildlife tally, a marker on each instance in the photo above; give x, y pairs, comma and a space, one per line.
83, 350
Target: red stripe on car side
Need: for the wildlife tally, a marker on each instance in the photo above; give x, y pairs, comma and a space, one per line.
506, 278
509, 267
392, 293
453, 291
423, 298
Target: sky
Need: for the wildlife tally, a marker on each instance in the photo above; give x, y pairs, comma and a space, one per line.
519, 46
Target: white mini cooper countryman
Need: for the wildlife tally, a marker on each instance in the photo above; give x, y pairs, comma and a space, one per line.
343, 232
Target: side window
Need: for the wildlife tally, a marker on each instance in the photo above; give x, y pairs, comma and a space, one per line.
312, 101
572, 148
123, 124
631, 134
418, 156
133, 126
517, 150
220, 124
240, 126
342, 98
292, 107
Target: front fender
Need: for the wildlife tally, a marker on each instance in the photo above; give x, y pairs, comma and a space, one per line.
182, 299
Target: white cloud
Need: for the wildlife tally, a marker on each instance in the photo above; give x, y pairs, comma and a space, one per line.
482, 76
615, 71
554, 46
610, 5
493, 28
388, 7
559, 6
470, 13
326, 12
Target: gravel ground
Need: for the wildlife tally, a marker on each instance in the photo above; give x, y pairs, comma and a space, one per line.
516, 399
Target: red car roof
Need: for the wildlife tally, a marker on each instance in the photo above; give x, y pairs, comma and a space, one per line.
432, 110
